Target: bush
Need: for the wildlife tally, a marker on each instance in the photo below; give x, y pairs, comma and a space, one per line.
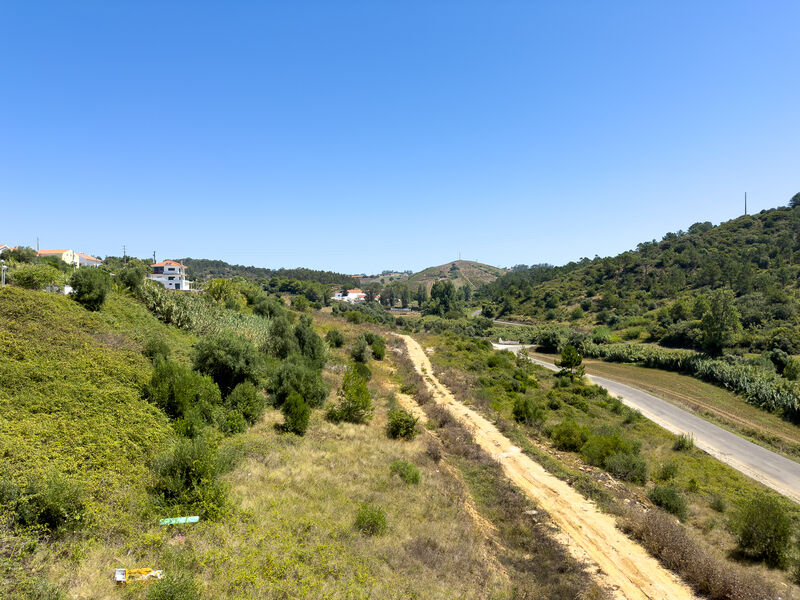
176, 389
132, 276
233, 422
228, 358
379, 348
627, 467
670, 499
370, 519
667, 472
156, 348
355, 403
296, 375
35, 277
764, 530
187, 474
334, 338
246, 400
174, 587
90, 286
296, 414
718, 503
52, 503
401, 424
528, 412
281, 342
310, 344
360, 351
683, 442
604, 443
568, 435
405, 470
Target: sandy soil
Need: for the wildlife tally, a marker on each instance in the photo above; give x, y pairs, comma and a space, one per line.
591, 536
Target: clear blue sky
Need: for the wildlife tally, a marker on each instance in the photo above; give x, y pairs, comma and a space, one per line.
359, 136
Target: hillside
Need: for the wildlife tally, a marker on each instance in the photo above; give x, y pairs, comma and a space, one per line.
460, 272
661, 290
203, 269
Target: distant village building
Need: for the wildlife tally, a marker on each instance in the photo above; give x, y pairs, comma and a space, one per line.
68, 256
351, 296
171, 274
84, 260
7, 247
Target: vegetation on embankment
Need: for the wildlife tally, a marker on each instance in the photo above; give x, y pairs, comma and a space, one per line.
583, 431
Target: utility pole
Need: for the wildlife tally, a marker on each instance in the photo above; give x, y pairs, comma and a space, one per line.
154, 257
37, 244
124, 254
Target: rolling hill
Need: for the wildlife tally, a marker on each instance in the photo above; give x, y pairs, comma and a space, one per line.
460, 272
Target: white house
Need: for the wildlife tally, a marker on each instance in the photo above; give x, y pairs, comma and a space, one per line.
6, 247
171, 274
84, 260
351, 296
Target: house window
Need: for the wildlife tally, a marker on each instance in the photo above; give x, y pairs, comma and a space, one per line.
170, 278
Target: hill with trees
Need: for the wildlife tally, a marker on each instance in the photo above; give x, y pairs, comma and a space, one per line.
731, 285
459, 272
203, 269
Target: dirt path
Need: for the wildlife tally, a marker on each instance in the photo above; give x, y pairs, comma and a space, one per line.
623, 566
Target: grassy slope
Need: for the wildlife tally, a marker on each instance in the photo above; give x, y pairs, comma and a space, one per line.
469, 273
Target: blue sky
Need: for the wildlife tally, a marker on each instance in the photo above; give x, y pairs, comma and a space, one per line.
362, 136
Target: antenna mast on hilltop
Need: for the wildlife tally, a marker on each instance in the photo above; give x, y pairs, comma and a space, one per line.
745, 204
154, 257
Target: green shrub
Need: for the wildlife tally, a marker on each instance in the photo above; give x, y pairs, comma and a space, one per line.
718, 503
175, 389
684, 441
405, 470
281, 341
156, 348
363, 370
360, 351
296, 414
186, 476
90, 286
178, 586
378, 348
355, 403
246, 399
764, 530
228, 358
370, 519
568, 435
670, 499
296, 375
35, 277
628, 467
667, 472
401, 424
310, 344
334, 338
52, 503
604, 443
233, 422
529, 412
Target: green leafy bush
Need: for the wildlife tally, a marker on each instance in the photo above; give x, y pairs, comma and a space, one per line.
670, 499
246, 400
156, 348
379, 348
296, 414
606, 442
528, 411
360, 352
52, 503
90, 286
683, 442
355, 403
311, 345
628, 467
764, 530
401, 424
176, 389
335, 338
296, 375
405, 470
667, 472
568, 435
228, 358
35, 277
370, 519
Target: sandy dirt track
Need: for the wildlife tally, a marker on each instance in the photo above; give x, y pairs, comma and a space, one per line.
592, 536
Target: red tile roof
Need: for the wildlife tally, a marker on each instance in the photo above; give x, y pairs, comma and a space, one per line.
47, 252
87, 257
168, 263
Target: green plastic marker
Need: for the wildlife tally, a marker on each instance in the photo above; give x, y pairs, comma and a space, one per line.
178, 520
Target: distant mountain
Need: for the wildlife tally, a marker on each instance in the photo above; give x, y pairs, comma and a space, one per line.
659, 290
460, 272
203, 269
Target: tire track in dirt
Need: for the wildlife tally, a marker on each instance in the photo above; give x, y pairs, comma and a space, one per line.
592, 536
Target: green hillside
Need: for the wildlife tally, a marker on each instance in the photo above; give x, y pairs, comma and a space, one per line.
660, 291
460, 272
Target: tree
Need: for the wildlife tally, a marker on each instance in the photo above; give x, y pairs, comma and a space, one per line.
228, 358
296, 413
35, 277
355, 403
720, 324
571, 362
443, 299
764, 529
405, 296
90, 286
795, 201
133, 274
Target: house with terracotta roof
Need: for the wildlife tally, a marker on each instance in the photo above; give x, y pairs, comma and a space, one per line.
68, 256
351, 296
85, 260
171, 274
7, 247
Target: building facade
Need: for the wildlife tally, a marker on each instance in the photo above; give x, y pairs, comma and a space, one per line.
68, 256
171, 274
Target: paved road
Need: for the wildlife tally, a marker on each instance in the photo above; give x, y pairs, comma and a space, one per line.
773, 470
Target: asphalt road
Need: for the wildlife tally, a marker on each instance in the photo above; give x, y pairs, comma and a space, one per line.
773, 470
